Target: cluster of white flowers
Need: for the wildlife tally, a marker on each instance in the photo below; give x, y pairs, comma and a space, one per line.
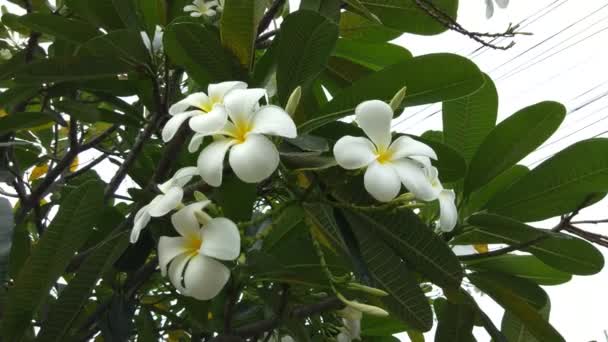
200, 8
240, 126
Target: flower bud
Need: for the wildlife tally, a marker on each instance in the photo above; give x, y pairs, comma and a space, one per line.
199, 196
364, 308
294, 101
367, 289
398, 99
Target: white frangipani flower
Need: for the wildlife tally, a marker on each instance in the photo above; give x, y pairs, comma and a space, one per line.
171, 198
434, 191
351, 320
199, 8
388, 164
154, 45
205, 118
253, 157
490, 6
190, 260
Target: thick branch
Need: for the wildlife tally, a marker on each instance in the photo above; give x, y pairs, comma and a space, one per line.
269, 15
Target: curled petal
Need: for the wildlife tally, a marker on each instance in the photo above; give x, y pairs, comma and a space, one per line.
211, 122
448, 212
255, 159
176, 270
273, 120
382, 182
163, 204
190, 8
413, 177
405, 146
221, 239
354, 152
218, 91
185, 222
241, 103
184, 175
211, 161
205, 277
168, 249
195, 142
375, 117
142, 218
172, 126
197, 100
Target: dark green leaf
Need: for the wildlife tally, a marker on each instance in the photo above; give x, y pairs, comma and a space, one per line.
307, 160
523, 266
91, 113
305, 43
71, 69
25, 120
126, 45
512, 140
329, 9
374, 56
381, 326
236, 198
468, 120
455, 323
98, 13
479, 198
239, 28
146, 328
75, 31
68, 230
450, 164
455, 77
508, 291
199, 51
516, 331
354, 26
154, 12
358, 7
7, 225
559, 185
561, 251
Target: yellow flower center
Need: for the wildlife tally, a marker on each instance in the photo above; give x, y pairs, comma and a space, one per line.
193, 245
384, 156
241, 131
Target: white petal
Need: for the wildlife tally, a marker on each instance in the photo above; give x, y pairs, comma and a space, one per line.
205, 277
218, 91
374, 117
195, 142
176, 270
209, 123
172, 126
198, 100
255, 159
196, 14
168, 249
185, 222
448, 211
273, 120
502, 3
425, 162
464, 250
142, 218
190, 8
382, 182
184, 175
146, 40
354, 152
489, 9
221, 239
211, 161
210, 12
405, 146
163, 204
343, 337
241, 103
413, 177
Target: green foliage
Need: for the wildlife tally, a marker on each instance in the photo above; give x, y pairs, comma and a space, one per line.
239, 28
7, 226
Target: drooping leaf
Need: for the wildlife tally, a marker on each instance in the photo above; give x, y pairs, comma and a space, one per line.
559, 185
305, 43
75, 31
468, 120
199, 51
512, 140
456, 77
239, 28
523, 266
68, 230
560, 251
25, 120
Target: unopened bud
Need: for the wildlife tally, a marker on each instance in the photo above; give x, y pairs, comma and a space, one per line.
398, 99
364, 308
294, 101
367, 289
199, 196
202, 217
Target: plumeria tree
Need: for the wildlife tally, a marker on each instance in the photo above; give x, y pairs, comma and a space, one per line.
227, 171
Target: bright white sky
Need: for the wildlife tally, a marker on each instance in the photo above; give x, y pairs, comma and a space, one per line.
564, 61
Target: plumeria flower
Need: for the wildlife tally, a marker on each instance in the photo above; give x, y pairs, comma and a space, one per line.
351, 320
191, 259
154, 45
433, 190
199, 8
388, 164
490, 6
205, 118
253, 157
171, 196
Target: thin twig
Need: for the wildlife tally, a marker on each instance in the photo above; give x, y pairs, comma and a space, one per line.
269, 15
87, 167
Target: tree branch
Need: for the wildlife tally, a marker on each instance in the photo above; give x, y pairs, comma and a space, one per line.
269, 15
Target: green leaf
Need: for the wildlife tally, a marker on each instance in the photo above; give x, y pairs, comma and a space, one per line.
406, 16
68, 230
523, 266
455, 77
98, 13
468, 120
329, 9
236, 198
455, 323
71, 69
512, 140
74, 296
154, 12
560, 251
354, 26
479, 198
127, 11
558, 186
450, 164
74, 31
381, 326
91, 113
239, 28
305, 44
199, 51
126, 45
374, 56
508, 291
406, 300
307, 160
7, 225
357, 7
146, 327
419, 246
23, 121
516, 331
